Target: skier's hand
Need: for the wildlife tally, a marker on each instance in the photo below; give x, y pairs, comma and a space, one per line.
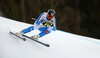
51, 23
45, 24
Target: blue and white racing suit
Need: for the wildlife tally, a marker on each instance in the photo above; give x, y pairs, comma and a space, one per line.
39, 25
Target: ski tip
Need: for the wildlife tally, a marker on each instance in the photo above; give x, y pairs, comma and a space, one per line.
47, 45
24, 39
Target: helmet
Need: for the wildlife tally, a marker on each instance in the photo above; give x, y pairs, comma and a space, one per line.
51, 13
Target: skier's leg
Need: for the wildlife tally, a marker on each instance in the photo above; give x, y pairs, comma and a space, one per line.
28, 29
25, 30
44, 31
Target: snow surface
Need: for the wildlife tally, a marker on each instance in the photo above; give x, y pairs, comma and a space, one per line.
62, 44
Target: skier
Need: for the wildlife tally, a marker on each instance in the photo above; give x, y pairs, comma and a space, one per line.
46, 23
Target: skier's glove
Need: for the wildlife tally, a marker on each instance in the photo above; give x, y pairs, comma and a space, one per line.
46, 24
51, 23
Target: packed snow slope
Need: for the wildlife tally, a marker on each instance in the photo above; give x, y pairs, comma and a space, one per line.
62, 44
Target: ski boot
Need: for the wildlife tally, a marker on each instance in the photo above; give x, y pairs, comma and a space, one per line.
36, 36
19, 33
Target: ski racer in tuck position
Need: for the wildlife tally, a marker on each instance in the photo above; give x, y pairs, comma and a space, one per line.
46, 23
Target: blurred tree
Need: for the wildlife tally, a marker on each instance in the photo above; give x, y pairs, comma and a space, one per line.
23, 10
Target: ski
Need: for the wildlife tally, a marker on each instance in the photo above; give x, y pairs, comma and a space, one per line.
17, 36
47, 45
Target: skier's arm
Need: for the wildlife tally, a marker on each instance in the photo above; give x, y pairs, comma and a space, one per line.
54, 28
38, 19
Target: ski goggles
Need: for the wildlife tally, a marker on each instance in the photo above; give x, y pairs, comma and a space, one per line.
49, 16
